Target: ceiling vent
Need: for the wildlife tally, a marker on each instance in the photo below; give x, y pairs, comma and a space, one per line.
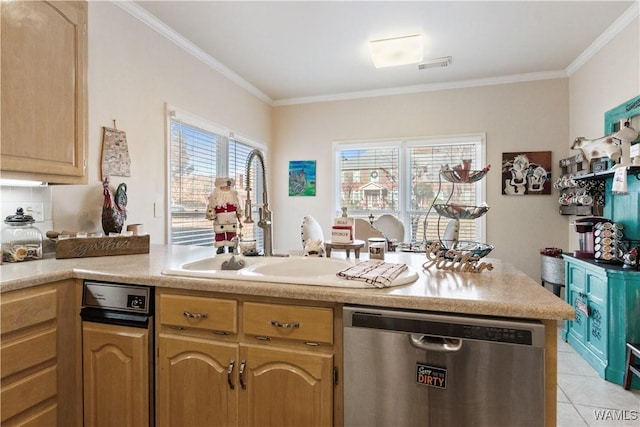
435, 63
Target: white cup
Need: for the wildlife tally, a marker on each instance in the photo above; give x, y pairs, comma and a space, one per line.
377, 248
585, 200
136, 229
247, 246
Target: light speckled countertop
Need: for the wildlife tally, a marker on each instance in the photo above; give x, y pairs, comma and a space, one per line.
505, 291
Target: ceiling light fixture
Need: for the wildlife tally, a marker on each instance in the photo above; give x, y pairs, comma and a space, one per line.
396, 51
435, 63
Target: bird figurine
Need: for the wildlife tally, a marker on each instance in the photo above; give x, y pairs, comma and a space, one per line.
114, 211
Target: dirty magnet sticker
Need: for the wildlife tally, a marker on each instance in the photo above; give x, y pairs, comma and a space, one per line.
431, 376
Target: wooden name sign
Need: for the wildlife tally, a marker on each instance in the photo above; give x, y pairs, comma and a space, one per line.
102, 246
454, 260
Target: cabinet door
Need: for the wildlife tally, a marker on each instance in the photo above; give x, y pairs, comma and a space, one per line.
597, 328
196, 382
44, 89
286, 387
576, 295
116, 375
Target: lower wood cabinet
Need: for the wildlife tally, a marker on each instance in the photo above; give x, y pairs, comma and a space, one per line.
116, 376
197, 382
285, 387
220, 364
40, 381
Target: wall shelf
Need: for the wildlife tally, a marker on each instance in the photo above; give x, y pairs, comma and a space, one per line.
631, 170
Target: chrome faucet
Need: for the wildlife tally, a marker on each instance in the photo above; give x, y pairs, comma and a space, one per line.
264, 213
235, 243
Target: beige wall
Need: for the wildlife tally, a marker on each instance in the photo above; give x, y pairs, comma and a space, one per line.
608, 79
515, 117
133, 72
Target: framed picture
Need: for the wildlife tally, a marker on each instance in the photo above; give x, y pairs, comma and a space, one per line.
526, 173
302, 178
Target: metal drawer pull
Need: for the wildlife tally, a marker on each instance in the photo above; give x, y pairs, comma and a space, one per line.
229, 374
195, 315
290, 325
242, 383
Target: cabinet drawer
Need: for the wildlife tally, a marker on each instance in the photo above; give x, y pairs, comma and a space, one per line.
199, 313
27, 351
21, 309
27, 392
311, 324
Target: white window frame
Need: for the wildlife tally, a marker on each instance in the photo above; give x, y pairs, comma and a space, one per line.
404, 184
222, 168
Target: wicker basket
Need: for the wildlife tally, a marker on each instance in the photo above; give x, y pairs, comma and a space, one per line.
552, 270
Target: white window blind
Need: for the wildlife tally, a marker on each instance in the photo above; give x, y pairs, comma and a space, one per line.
402, 178
427, 187
198, 154
194, 156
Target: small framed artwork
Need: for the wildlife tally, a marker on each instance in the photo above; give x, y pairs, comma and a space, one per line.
600, 165
302, 178
526, 173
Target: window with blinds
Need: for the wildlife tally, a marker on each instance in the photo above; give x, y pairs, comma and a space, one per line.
402, 178
197, 155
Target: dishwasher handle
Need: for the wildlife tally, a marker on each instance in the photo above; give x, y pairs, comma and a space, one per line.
430, 343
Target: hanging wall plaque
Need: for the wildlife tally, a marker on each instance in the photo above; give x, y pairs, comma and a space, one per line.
115, 153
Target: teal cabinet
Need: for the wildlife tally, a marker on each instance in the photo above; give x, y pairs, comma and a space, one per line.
606, 299
624, 208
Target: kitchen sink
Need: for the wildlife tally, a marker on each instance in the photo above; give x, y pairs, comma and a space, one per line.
215, 264
289, 270
302, 266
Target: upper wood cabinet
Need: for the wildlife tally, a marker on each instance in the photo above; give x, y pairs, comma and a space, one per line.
44, 91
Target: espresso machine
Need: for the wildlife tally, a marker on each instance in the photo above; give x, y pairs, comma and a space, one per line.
585, 228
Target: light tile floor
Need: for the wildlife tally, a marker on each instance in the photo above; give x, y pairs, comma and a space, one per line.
585, 399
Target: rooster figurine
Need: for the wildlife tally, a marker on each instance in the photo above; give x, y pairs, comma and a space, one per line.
114, 210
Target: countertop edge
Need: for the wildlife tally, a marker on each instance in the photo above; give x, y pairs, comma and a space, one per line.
414, 296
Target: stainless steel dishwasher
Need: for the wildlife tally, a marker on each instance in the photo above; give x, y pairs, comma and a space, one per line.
408, 368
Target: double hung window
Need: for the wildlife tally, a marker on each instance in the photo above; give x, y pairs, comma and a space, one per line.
199, 152
402, 178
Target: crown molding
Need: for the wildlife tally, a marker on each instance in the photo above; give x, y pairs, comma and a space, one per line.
431, 87
141, 14
618, 25
154, 23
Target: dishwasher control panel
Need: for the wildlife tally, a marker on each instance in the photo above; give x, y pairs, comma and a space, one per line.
492, 333
508, 331
118, 297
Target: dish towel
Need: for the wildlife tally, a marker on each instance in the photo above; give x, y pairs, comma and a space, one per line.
378, 274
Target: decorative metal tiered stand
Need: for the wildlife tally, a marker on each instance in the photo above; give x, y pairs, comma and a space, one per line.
447, 252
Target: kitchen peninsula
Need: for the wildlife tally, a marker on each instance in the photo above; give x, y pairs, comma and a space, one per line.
503, 292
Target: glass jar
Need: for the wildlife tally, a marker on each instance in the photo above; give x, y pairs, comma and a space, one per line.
21, 241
